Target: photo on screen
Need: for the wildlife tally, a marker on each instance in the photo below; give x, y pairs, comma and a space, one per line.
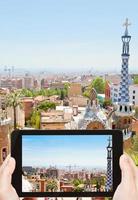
67, 163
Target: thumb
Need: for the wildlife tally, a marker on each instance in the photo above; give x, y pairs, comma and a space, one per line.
7, 172
126, 171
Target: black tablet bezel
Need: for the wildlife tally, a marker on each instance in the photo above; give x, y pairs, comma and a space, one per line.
16, 152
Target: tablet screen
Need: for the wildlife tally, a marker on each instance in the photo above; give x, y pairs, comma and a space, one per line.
67, 163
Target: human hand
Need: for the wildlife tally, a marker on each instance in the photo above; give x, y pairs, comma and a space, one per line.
7, 192
128, 188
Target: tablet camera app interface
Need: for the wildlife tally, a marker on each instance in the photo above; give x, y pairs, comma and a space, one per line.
67, 163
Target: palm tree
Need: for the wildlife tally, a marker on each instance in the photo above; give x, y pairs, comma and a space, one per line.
13, 100
52, 186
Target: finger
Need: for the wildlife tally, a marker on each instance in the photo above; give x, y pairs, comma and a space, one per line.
134, 170
127, 174
7, 172
133, 166
4, 164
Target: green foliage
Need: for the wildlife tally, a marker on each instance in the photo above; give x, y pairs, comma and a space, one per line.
86, 93
78, 185
66, 86
62, 94
79, 188
35, 119
107, 103
77, 182
135, 145
135, 79
51, 185
27, 93
136, 112
13, 100
46, 105
99, 180
45, 92
99, 85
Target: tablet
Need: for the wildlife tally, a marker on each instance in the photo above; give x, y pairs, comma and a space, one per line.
66, 163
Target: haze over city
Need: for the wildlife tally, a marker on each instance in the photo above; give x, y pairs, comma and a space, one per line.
60, 151
66, 35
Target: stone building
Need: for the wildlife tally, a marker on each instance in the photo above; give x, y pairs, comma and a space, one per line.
54, 119
5, 129
74, 90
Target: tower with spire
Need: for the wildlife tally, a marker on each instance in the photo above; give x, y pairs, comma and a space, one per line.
124, 109
124, 85
109, 180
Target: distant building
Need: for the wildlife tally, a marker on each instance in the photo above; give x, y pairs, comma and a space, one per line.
74, 90
56, 85
5, 129
53, 120
107, 90
114, 91
28, 82
52, 172
79, 100
28, 169
6, 83
133, 93
19, 83
28, 104
11, 83
44, 84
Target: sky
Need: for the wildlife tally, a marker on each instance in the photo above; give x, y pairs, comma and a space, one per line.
62, 151
66, 35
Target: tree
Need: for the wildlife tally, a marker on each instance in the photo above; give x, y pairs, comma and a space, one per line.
14, 100
79, 188
86, 93
135, 80
52, 186
136, 112
99, 85
62, 94
34, 120
135, 146
27, 93
107, 103
46, 105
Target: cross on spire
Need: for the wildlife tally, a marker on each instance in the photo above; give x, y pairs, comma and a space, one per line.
126, 24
